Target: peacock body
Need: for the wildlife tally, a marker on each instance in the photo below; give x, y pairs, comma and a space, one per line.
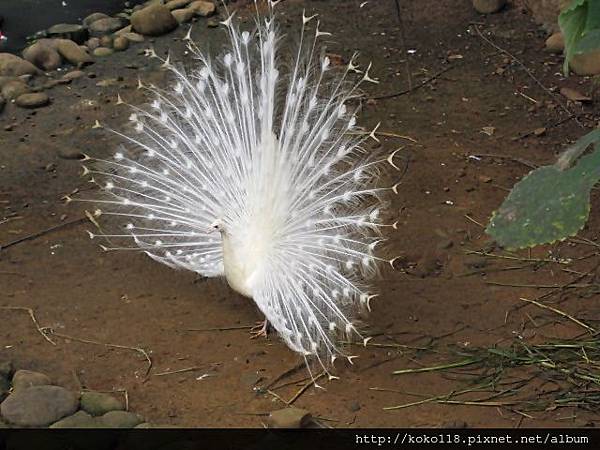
239, 171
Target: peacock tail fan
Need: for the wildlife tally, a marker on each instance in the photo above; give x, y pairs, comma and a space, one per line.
277, 161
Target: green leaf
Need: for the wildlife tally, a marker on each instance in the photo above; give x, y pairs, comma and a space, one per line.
589, 42
572, 21
593, 15
549, 204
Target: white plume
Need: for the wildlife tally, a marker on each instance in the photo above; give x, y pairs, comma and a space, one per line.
274, 163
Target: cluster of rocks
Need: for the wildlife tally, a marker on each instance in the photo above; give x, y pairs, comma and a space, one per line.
29, 399
98, 35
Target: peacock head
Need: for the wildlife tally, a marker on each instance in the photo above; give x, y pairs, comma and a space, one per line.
217, 225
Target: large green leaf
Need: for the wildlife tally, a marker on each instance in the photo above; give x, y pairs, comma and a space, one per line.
572, 21
551, 203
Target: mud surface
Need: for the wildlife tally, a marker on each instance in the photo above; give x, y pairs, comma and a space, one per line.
438, 297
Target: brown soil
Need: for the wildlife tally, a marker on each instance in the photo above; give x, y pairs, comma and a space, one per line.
127, 299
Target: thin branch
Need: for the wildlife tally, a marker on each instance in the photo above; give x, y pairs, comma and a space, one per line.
89, 341
561, 313
413, 88
40, 330
42, 233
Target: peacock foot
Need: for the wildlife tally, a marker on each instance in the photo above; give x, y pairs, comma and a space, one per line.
260, 330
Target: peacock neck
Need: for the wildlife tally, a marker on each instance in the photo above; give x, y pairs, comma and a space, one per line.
238, 272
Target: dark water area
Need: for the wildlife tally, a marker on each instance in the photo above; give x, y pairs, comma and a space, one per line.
23, 18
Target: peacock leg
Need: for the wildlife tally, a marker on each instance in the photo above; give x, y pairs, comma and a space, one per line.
260, 330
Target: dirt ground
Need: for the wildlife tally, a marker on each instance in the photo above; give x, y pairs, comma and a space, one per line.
440, 295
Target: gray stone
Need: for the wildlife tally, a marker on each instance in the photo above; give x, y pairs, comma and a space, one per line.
488, 6
124, 30
27, 378
154, 20
176, 4
104, 26
183, 15
70, 153
586, 63
34, 100
74, 32
92, 43
134, 37
106, 41
120, 43
144, 425
289, 418
14, 89
203, 8
103, 51
120, 419
555, 43
72, 52
94, 17
43, 54
3, 81
98, 403
73, 75
80, 419
38, 406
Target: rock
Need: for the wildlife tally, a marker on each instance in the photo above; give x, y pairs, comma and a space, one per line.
586, 63
488, 6
93, 18
106, 41
72, 52
153, 20
289, 418
2, 104
120, 419
124, 30
70, 153
3, 81
92, 43
74, 32
34, 100
73, 75
14, 89
120, 43
27, 378
80, 419
134, 37
203, 8
555, 43
105, 26
98, 403
43, 54
108, 82
103, 51
183, 15
176, 4
38, 406
144, 425
4, 379
574, 95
